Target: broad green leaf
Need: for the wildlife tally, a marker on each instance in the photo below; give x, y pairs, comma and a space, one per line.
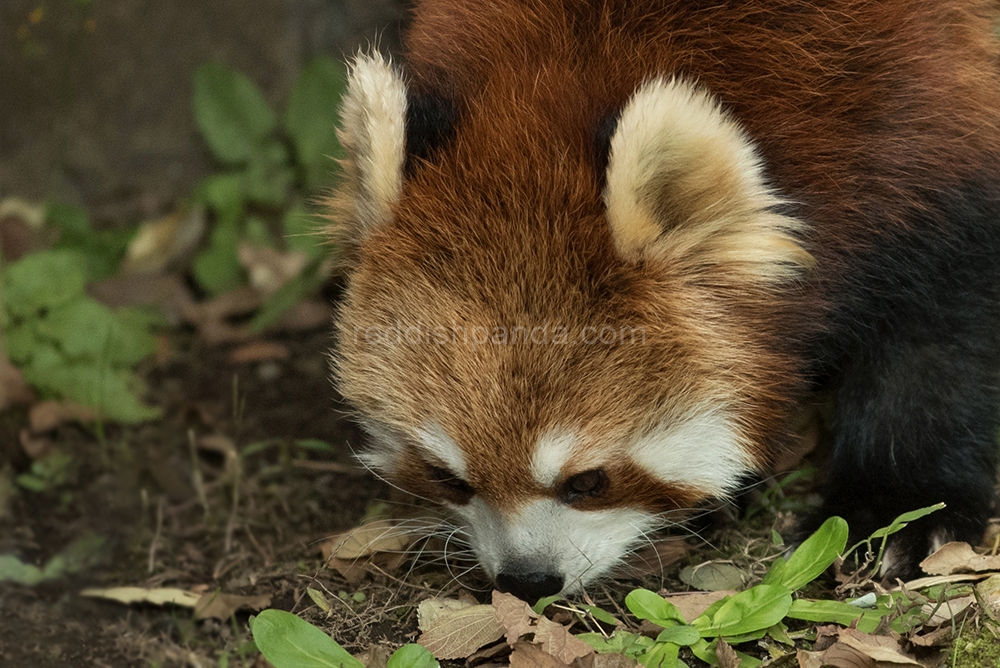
14, 570
680, 635
542, 603
268, 176
837, 612
706, 651
900, 522
289, 642
223, 193
21, 340
312, 117
600, 615
86, 329
68, 219
660, 655
231, 113
102, 250
43, 281
645, 604
111, 391
217, 268
621, 642
756, 608
412, 656
812, 557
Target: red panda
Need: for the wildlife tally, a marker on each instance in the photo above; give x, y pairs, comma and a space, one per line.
600, 250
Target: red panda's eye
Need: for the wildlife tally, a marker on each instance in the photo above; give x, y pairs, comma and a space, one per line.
455, 485
587, 484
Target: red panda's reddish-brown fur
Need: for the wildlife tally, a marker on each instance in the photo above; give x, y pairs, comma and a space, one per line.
866, 115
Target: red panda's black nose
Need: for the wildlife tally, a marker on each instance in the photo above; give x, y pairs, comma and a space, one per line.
529, 585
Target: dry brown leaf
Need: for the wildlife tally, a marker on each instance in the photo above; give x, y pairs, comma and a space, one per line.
13, 390
157, 596
726, 655
303, 316
268, 268
36, 447
47, 415
958, 557
352, 571
692, 604
167, 292
515, 615
498, 650
211, 317
430, 609
376, 656
216, 605
947, 610
458, 634
882, 649
556, 640
613, 661
367, 539
809, 659
529, 655
988, 593
935, 580
159, 242
259, 351
941, 637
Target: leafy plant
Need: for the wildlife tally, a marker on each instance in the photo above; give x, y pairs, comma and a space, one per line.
68, 345
269, 164
290, 642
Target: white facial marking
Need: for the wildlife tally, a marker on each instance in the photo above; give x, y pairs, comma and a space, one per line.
432, 439
384, 448
579, 545
551, 453
701, 450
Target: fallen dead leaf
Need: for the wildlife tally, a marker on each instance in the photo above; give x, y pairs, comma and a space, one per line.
157, 596
530, 655
212, 317
259, 351
941, 637
47, 415
958, 557
216, 605
268, 268
498, 650
36, 447
13, 390
935, 580
304, 316
376, 656
165, 291
366, 540
459, 633
692, 604
519, 619
613, 661
854, 649
713, 576
352, 571
947, 610
430, 609
726, 655
159, 242
988, 595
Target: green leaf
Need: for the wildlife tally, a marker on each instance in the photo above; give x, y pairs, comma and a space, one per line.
223, 193
102, 250
680, 635
43, 281
838, 613
289, 642
756, 608
231, 113
68, 219
312, 118
713, 576
412, 656
87, 329
21, 341
14, 570
661, 655
812, 557
268, 176
621, 642
112, 391
645, 604
600, 615
900, 522
217, 268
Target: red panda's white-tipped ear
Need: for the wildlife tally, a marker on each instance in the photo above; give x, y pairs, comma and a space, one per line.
685, 186
373, 134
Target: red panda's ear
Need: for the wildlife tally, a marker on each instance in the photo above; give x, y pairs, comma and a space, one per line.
685, 187
373, 134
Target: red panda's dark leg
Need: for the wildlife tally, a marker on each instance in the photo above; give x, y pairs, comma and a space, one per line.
918, 397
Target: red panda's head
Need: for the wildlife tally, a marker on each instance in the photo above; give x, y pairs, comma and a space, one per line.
560, 349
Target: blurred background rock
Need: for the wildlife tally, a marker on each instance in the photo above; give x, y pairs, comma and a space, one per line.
95, 95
